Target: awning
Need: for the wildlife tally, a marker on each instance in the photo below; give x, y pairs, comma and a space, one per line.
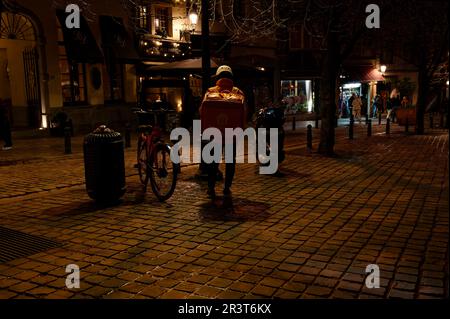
80, 43
184, 66
116, 40
363, 74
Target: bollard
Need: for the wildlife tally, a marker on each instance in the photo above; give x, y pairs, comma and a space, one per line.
367, 118
431, 120
350, 128
127, 135
369, 128
309, 138
293, 123
379, 118
388, 126
406, 126
316, 124
67, 140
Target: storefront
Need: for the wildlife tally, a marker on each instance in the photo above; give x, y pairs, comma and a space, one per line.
297, 95
360, 80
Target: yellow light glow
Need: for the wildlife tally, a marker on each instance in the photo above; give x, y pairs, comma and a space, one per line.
44, 124
193, 17
179, 106
383, 68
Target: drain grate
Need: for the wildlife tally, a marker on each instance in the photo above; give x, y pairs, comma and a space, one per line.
15, 244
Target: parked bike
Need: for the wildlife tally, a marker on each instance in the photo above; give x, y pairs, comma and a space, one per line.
153, 159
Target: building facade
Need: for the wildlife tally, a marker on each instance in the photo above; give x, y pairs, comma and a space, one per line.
89, 72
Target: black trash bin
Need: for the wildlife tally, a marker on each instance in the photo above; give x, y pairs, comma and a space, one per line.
104, 165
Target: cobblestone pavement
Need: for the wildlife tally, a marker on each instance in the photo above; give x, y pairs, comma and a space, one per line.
308, 234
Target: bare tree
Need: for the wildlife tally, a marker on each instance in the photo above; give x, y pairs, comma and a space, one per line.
419, 34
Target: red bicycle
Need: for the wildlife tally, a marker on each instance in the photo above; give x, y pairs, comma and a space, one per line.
154, 162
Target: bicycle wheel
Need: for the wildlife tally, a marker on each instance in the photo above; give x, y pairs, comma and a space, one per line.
263, 158
142, 161
163, 174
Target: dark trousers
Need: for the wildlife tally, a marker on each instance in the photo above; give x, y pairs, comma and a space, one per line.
230, 168
5, 131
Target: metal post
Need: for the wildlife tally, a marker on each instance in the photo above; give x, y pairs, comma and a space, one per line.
388, 126
309, 138
379, 118
67, 140
367, 118
350, 128
316, 124
293, 124
369, 128
127, 135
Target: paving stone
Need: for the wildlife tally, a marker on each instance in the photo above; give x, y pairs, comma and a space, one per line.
308, 235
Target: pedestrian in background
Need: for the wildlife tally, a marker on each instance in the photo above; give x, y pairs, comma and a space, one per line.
357, 104
5, 123
396, 102
350, 103
405, 103
376, 105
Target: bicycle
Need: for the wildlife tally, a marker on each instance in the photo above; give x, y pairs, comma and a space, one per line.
154, 162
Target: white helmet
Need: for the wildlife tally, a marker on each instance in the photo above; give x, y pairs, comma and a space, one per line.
224, 68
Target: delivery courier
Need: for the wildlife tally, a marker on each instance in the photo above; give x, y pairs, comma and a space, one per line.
223, 107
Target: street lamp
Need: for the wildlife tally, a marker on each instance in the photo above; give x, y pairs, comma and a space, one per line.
383, 69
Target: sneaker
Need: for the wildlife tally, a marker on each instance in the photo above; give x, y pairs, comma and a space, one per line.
6, 148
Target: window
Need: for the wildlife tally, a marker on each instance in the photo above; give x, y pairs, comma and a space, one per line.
239, 9
297, 94
300, 39
142, 17
73, 75
16, 27
163, 21
113, 82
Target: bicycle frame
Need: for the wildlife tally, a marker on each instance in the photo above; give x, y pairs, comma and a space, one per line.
151, 140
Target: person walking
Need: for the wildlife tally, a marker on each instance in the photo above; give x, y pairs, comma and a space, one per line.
405, 103
356, 105
350, 104
396, 102
376, 105
5, 124
224, 84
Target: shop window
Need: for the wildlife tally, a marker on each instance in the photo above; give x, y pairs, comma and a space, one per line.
73, 74
163, 21
297, 95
